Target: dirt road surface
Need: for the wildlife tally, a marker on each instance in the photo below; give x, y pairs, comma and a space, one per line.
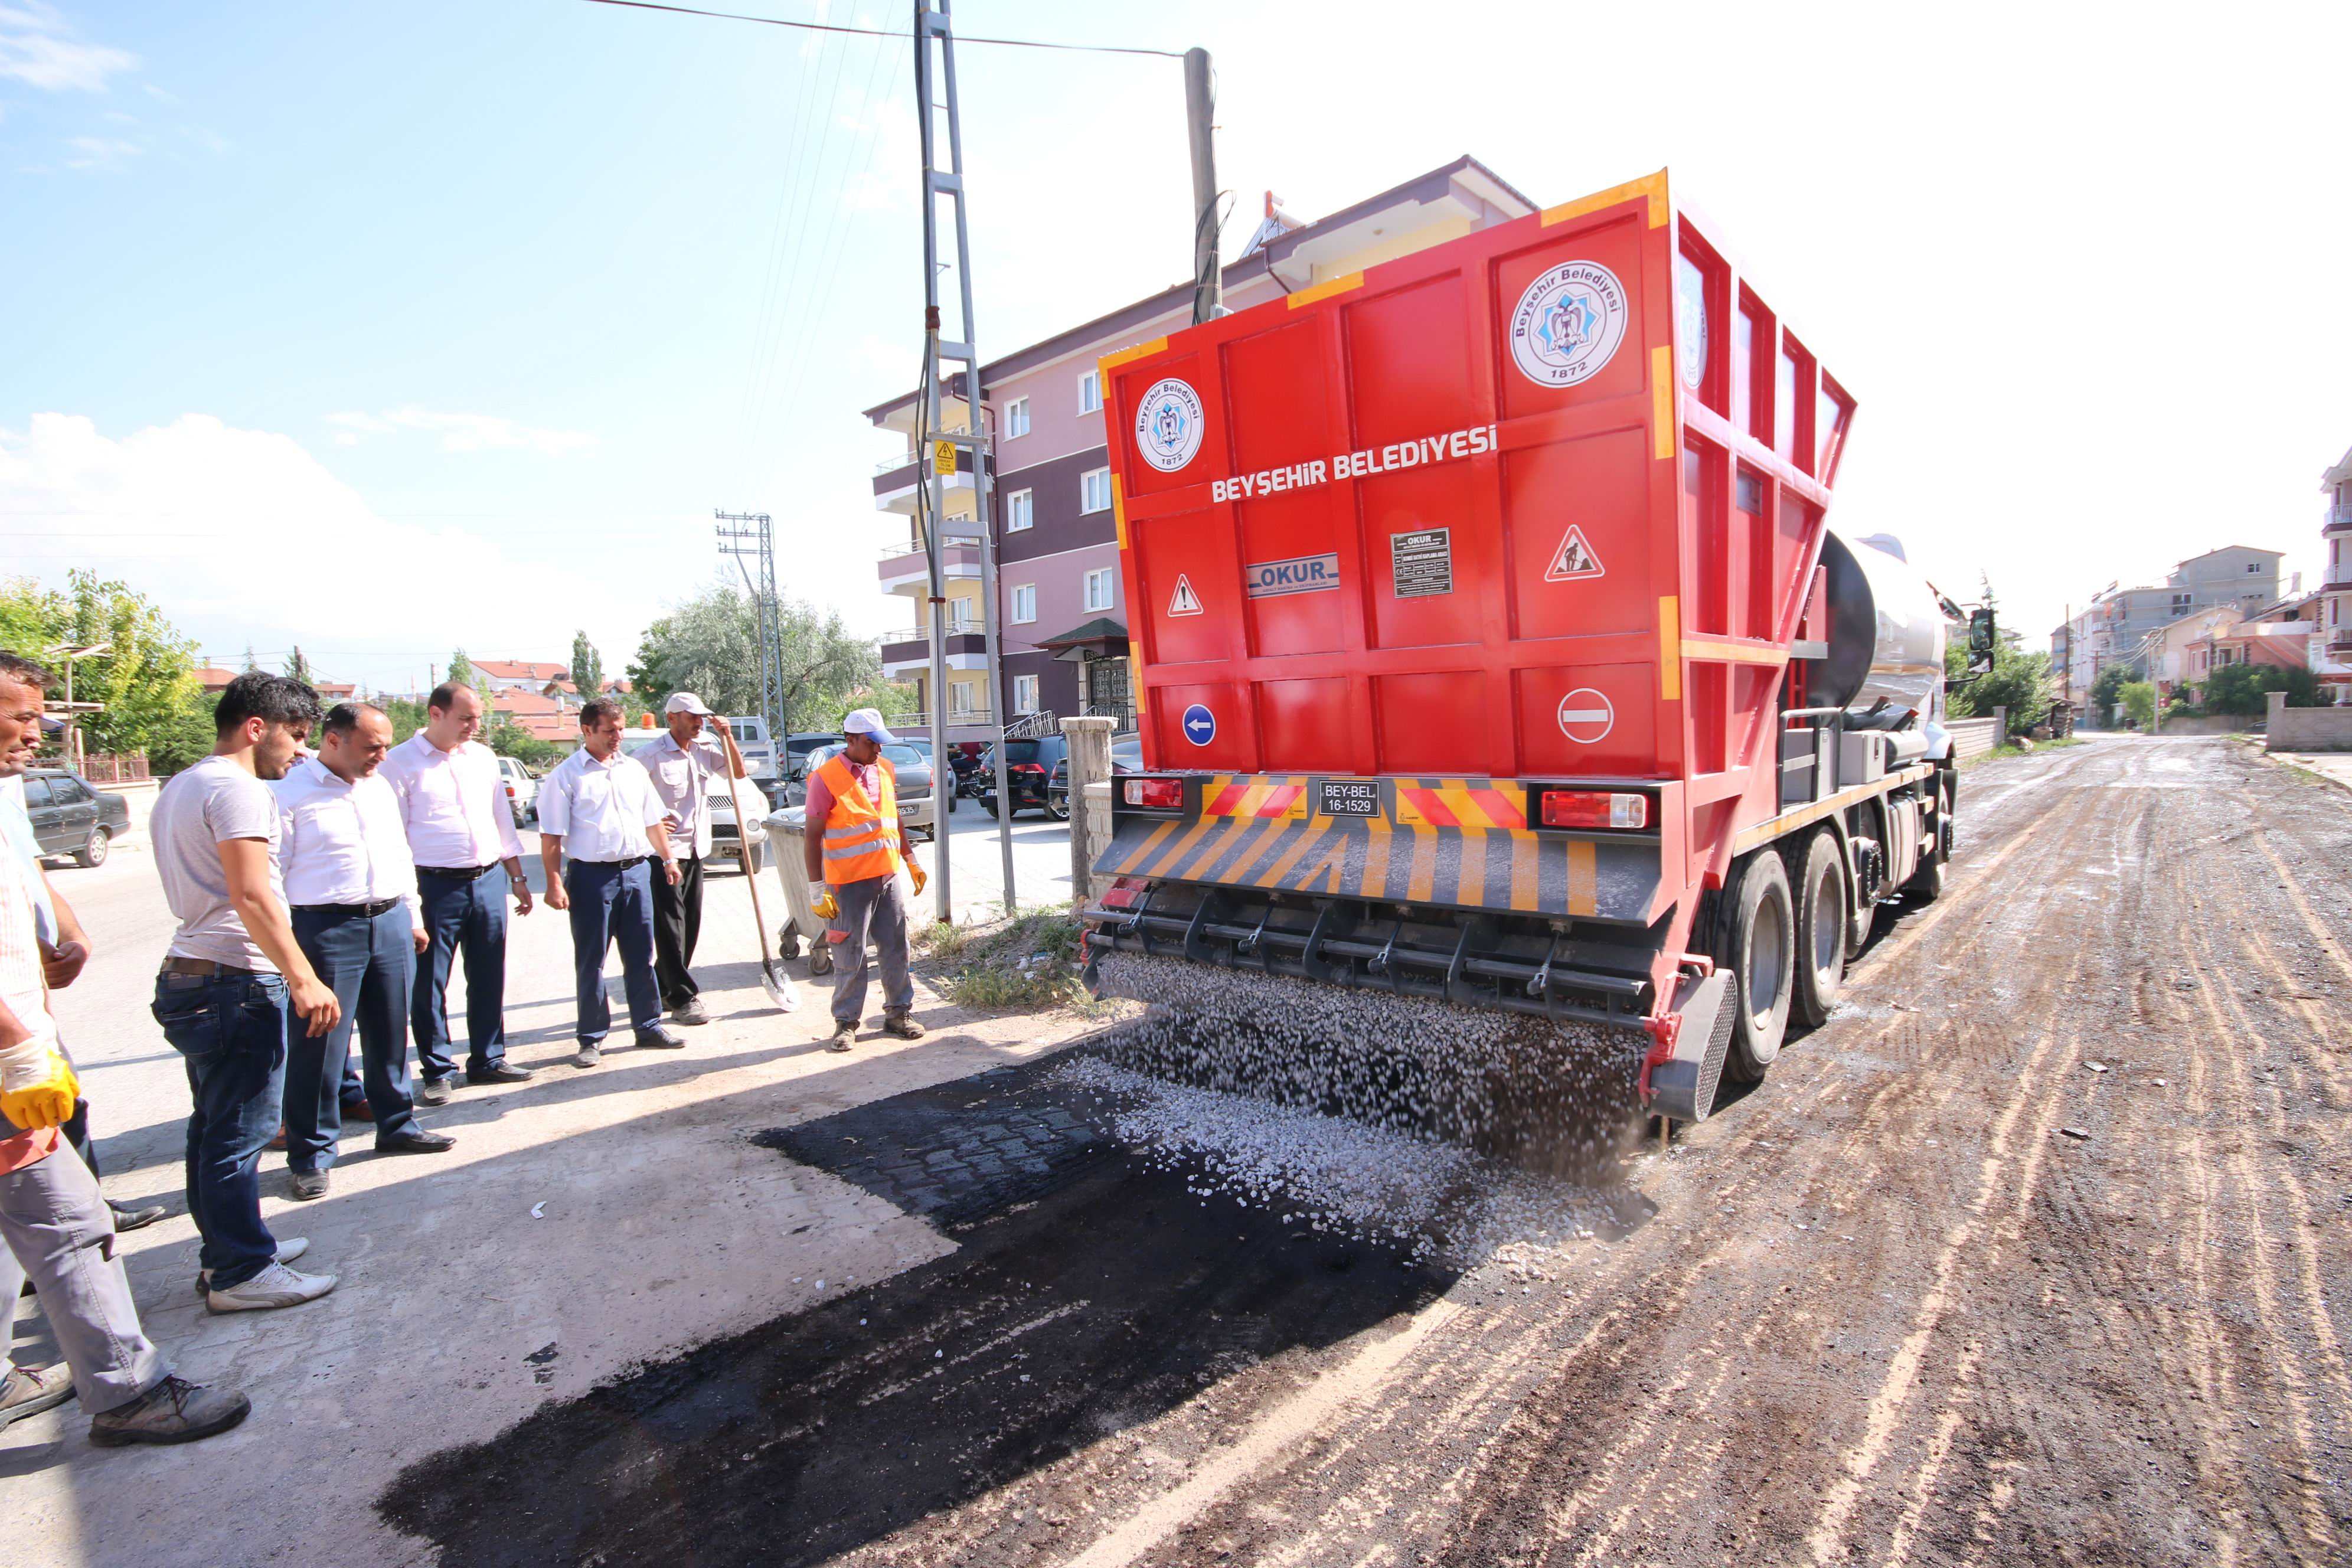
2035, 1253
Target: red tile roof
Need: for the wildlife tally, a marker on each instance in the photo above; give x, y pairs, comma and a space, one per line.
520, 670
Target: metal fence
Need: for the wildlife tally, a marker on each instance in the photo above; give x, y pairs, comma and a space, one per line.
105, 768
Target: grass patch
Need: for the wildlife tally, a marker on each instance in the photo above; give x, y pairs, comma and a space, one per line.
1028, 963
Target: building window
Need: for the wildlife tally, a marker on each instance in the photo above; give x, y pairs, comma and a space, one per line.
1090, 392
1024, 694
1101, 593
960, 703
1024, 602
1020, 512
1016, 418
1093, 490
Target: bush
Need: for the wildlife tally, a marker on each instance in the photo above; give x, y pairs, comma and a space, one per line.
2106, 692
2138, 699
2017, 681
1031, 962
2245, 689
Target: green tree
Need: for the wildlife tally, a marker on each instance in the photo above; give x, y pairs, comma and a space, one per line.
252, 665
461, 670
2243, 690
710, 646
508, 738
408, 716
298, 668
185, 738
2138, 699
143, 682
2106, 692
587, 668
2017, 681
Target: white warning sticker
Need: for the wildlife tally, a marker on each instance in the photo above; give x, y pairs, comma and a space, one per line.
1585, 716
1184, 602
1573, 559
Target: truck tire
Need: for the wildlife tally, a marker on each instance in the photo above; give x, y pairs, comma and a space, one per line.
1927, 884
1759, 946
1821, 898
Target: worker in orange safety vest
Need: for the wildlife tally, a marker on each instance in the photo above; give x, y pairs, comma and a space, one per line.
854, 845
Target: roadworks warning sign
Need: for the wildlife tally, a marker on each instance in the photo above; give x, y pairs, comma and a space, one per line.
1573, 559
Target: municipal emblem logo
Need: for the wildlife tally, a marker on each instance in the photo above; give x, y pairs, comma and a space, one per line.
1168, 424
1568, 324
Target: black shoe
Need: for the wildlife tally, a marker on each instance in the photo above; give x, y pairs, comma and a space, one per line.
692, 1012
498, 1072
435, 1090
659, 1039
416, 1140
127, 1219
304, 1186
174, 1411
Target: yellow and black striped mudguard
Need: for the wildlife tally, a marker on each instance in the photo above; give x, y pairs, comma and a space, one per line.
1462, 843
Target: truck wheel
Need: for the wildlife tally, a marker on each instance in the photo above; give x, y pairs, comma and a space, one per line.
1821, 930
93, 851
1759, 948
1927, 884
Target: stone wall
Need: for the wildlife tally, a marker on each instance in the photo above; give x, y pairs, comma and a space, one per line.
2308, 729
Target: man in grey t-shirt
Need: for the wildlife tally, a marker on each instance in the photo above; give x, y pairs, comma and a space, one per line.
233, 970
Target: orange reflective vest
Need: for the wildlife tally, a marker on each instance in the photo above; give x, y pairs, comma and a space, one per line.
861, 835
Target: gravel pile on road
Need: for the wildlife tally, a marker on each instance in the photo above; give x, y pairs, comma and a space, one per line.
1548, 1098
1438, 1202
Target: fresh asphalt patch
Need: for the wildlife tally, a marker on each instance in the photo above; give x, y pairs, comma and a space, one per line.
1091, 1291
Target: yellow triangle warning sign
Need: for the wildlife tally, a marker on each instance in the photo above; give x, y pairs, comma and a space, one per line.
1185, 601
1573, 559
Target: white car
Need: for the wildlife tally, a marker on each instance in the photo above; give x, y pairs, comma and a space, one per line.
522, 790
758, 750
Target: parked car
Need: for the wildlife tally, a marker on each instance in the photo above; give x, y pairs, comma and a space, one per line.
1126, 757
914, 783
70, 817
797, 748
751, 739
522, 790
1028, 769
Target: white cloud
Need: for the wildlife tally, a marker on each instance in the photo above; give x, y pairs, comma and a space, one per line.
38, 47
100, 151
243, 536
460, 432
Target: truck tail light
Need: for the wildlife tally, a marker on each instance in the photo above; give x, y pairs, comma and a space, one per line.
1156, 794
1123, 893
1595, 808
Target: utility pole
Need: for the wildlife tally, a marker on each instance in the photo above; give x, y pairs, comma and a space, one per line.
1200, 115
749, 538
939, 447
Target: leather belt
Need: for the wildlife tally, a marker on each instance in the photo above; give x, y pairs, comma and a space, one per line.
369, 911
616, 865
458, 873
205, 967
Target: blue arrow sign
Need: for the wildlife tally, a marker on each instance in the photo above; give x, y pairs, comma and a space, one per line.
1200, 725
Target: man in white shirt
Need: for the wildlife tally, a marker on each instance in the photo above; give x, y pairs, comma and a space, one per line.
598, 807
461, 832
683, 761
352, 889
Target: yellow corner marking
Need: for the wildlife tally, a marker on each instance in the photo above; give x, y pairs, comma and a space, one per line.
1584, 878
1325, 290
1670, 653
1525, 852
1732, 653
1331, 862
1374, 881
1651, 185
1271, 876
1118, 508
1423, 878
1143, 850
1470, 880
1662, 394
1167, 862
1111, 361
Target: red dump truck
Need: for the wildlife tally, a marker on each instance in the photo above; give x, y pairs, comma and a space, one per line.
1490, 645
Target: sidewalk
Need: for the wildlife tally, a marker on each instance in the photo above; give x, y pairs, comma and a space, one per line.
2334, 766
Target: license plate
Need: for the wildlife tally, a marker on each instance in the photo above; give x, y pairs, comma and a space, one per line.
1346, 797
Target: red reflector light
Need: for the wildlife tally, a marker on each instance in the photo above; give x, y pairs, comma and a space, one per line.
1595, 808
1122, 894
1156, 794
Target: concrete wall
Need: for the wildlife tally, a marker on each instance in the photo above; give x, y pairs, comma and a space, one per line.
2207, 724
1973, 737
1094, 823
2308, 729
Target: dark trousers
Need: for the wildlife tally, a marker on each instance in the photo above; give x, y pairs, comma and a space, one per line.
467, 915
611, 904
370, 963
678, 926
230, 1030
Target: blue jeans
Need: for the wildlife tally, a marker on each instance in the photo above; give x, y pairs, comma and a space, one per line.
611, 905
466, 915
231, 1031
370, 963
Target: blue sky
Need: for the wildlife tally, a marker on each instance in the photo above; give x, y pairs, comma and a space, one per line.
384, 330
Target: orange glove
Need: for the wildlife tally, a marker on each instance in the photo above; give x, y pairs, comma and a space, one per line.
827, 907
41, 1102
915, 875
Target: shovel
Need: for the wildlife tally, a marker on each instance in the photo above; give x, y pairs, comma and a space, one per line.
773, 978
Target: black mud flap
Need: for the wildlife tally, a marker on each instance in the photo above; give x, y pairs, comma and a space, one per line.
1682, 1087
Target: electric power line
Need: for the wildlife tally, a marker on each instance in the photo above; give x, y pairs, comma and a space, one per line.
886, 33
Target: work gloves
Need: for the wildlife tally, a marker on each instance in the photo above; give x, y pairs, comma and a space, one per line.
827, 907
38, 1087
915, 875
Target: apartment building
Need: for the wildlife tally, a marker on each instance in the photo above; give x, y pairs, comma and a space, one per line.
2332, 640
2117, 627
516, 674
1064, 615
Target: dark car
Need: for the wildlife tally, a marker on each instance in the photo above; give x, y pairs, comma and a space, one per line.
795, 763
70, 817
1028, 773
1126, 757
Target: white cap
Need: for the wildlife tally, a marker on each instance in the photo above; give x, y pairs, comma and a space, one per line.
685, 702
868, 721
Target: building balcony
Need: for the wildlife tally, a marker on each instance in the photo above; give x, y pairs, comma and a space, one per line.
2338, 519
2340, 583
2339, 647
894, 486
909, 652
904, 568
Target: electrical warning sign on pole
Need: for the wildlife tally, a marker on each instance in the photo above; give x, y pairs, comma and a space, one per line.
1573, 559
1185, 601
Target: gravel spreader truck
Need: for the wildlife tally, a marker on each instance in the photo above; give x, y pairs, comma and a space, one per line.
1491, 650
